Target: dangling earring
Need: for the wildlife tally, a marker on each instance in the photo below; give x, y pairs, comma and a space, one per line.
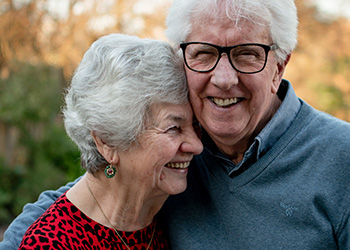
110, 171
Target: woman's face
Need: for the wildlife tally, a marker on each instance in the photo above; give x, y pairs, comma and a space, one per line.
160, 161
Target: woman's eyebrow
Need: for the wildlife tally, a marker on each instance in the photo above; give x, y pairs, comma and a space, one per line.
175, 118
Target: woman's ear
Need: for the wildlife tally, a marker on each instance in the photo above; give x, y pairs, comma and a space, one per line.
108, 152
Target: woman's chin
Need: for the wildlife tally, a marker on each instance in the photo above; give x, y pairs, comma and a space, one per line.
173, 181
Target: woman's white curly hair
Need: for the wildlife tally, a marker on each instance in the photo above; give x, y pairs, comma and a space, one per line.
112, 91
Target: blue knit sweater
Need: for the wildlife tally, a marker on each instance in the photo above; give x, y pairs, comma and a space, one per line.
295, 196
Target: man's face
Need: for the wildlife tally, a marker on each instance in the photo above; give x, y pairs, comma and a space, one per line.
233, 107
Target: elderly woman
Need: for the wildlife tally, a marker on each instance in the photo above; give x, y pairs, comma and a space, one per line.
127, 110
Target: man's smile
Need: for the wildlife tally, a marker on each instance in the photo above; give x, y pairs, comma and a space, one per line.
224, 102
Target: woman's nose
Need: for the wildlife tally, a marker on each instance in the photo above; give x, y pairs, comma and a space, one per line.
224, 76
192, 144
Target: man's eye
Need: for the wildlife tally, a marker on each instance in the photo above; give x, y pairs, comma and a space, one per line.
204, 53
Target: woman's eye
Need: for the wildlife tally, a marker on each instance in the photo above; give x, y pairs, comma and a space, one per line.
173, 128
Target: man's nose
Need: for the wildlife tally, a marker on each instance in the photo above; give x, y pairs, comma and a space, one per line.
224, 76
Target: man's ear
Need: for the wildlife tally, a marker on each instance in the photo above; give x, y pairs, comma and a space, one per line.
108, 152
279, 74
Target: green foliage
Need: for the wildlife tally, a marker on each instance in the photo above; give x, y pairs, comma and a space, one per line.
30, 101
331, 98
10, 178
59, 150
341, 65
31, 94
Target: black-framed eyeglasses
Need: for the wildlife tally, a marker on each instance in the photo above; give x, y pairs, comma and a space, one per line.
246, 58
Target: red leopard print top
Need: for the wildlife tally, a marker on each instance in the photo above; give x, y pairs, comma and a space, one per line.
64, 226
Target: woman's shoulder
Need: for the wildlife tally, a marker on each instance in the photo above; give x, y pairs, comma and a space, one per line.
64, 226
46, 230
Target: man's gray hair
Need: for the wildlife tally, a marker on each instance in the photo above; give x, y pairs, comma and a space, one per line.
112, 91
280, 16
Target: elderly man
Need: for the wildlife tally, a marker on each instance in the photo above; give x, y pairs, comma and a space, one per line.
274, 173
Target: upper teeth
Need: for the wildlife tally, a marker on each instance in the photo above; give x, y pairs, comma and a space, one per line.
178, 165
224, 102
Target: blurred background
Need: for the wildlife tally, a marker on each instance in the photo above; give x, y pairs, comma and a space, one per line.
42, 42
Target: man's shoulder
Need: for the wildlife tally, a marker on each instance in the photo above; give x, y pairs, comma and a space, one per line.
322, 121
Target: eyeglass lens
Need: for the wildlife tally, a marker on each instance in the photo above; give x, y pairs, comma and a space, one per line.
245, 58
